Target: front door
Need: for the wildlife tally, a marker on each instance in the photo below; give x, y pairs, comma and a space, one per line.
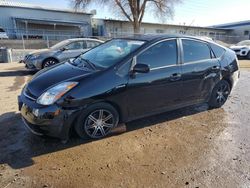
72, 50
160, 88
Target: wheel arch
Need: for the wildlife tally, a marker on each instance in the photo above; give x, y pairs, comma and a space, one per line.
229, 82
113, 104
54, 58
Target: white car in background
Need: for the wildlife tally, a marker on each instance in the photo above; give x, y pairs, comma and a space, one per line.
242, 49
3, 34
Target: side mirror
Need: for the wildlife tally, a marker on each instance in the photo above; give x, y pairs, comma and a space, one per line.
64, 49
141, 68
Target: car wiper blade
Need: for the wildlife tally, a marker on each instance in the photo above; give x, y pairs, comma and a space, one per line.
92, 65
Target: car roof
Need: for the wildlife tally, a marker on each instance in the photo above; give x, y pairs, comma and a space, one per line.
151, 37
80, 39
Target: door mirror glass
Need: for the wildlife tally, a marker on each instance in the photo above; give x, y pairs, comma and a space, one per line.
141, 68
64, 48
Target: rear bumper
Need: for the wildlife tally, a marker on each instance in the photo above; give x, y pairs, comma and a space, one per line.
235, 78
241, 53
46, 120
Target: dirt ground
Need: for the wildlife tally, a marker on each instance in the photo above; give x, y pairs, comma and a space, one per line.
192, 147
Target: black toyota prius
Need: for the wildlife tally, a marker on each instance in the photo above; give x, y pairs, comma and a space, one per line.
126, 79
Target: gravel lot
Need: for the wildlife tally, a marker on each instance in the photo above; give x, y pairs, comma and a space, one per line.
191, 147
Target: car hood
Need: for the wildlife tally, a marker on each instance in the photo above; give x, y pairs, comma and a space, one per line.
38, 52
50, 77
238, 47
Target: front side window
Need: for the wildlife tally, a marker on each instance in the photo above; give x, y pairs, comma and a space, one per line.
195, 51
159, 55
75, 46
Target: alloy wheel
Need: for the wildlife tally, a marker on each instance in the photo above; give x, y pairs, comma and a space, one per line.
49, 63
99, 123
222, 93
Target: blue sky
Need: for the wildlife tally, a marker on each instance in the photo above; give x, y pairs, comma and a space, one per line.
190, 12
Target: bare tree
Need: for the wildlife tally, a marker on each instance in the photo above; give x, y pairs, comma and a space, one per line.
134, 10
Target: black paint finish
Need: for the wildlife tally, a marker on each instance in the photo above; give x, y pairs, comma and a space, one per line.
133, 94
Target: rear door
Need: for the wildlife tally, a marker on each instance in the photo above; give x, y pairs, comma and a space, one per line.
200, 70
160, 88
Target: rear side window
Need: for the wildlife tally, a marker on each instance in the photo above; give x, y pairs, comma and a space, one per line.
218, 51
195, 51
159, 55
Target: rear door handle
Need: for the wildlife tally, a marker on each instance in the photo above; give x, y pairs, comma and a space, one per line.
175, 77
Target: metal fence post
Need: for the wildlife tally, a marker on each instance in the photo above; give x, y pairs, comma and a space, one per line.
47, 41
23, 42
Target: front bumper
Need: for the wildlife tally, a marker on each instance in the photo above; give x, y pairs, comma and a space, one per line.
32, 64
46, 120
241, 53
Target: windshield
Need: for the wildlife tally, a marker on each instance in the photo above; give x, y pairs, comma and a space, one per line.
109, 53
59, 45
244, 43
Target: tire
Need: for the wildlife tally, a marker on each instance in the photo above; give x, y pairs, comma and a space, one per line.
219, 94
248, 55
49, 62
91, 122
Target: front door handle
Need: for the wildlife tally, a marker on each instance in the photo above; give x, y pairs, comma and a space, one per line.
175, 77
216, 67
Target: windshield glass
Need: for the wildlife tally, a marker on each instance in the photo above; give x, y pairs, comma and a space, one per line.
109, 53
244, 43
60, 44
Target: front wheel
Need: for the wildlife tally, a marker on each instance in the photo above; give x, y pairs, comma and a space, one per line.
49, 62
248, 55
97, 121
219, 94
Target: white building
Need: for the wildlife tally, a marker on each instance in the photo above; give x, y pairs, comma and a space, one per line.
110, 27
241, 30
32, 21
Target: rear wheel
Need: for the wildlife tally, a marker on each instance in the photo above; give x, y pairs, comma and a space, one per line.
49, 62
219, 94
97, 121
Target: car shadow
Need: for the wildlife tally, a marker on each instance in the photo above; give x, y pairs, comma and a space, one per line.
17, 73
18, 146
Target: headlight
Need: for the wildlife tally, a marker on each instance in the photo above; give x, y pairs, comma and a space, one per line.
34, 56
55, 93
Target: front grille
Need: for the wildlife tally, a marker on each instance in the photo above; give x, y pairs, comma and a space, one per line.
27, 57
237, 50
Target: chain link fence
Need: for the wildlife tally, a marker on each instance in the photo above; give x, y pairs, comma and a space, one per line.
22, 42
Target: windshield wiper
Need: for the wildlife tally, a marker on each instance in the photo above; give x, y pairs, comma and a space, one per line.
86, 64
92, 65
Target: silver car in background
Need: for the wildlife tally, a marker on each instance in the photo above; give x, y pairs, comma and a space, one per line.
60, 52
3, 34
242, 49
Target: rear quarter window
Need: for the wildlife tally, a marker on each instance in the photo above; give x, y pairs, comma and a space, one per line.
218, 50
